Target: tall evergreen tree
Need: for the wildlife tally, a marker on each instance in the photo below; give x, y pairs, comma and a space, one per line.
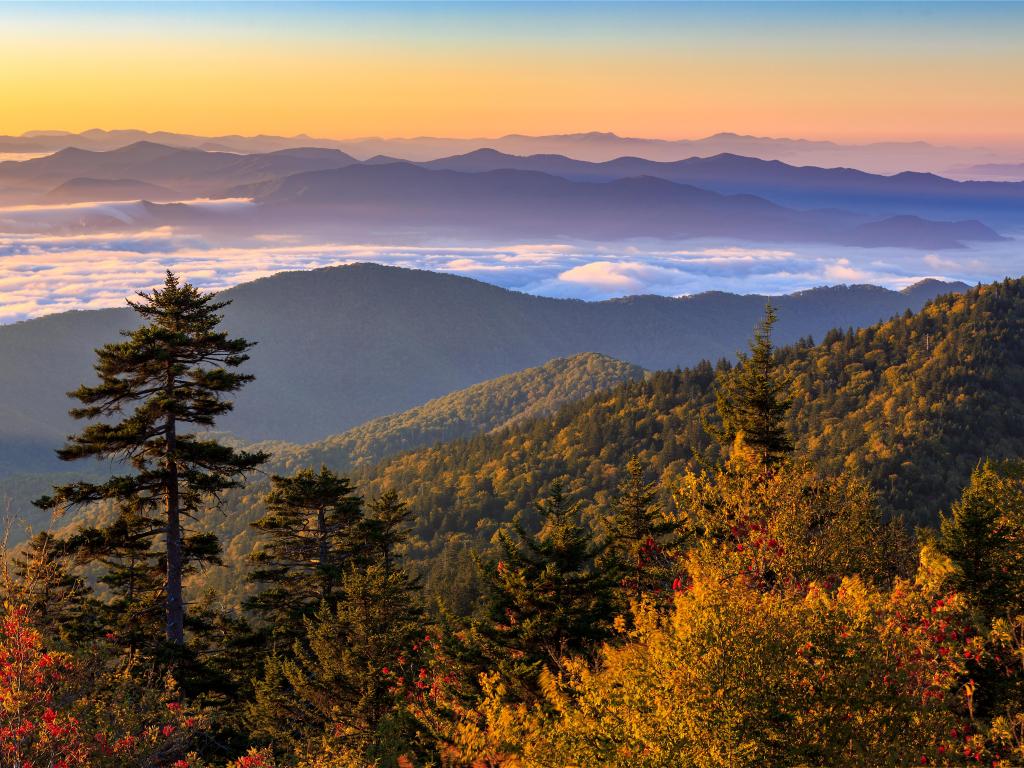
341, 680
174, 372
642, 538
550, 596
754, 398
311, 532
984, 536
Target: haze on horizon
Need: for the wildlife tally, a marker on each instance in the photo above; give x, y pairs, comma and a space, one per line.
847, 72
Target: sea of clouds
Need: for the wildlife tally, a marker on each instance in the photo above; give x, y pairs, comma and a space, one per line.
45, 272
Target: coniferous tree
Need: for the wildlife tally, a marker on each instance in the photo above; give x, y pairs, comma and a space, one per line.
338, 684
311, 533
60, 601
386, 527
754, 398
171, 374
133, 573
550, 596
641, 536
984, 536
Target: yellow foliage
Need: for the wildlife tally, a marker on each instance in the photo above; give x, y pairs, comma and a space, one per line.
735, 676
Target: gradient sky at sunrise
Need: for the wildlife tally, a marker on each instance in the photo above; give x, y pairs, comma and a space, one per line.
942, 72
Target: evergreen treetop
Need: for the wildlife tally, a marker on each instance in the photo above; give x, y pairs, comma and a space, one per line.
754, 398
172, 372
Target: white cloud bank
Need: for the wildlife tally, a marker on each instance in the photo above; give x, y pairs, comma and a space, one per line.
45, 273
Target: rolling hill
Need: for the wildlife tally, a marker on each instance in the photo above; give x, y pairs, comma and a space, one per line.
481, 408
343, 345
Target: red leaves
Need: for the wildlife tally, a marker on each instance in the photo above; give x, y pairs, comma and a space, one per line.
37, 727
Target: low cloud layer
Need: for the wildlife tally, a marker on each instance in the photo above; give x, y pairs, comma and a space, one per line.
45, 273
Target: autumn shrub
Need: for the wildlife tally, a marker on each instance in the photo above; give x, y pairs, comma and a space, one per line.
62, 711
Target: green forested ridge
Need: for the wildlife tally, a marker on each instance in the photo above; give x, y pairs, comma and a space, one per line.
342, 345
912, 404
490, 405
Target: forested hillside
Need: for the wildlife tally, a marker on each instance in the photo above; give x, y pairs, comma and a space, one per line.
343, 345
911, 404
532, 393
687, 569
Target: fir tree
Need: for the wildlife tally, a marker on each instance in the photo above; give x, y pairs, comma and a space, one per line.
641, 536
173, 373
754, 398
338, 682
550, 596
133, 573
60, 601
310, 533
386, 527
984, 536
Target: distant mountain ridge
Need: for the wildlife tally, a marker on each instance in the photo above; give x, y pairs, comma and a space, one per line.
878, 157
492, 194
504, 203
922, 194
186, 170
343, 345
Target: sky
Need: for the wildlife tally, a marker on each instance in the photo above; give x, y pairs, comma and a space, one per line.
943, 72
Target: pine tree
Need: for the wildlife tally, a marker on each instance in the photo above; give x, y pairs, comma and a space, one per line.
550, 596
60, 601
337, 685
386, 527
311, 532
984, 536
753, 400
133, 572
175, 371
642, 538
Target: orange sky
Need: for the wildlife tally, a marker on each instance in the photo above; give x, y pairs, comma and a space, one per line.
947, 72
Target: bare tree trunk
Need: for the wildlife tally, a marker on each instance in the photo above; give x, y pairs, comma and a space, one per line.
175, 601
324, 554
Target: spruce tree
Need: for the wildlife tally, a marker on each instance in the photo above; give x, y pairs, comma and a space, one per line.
168, 376
311, 532
386, 528
753, 400
642, 538
61, 602
550, 595
340, 682
984, 536
133, 573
